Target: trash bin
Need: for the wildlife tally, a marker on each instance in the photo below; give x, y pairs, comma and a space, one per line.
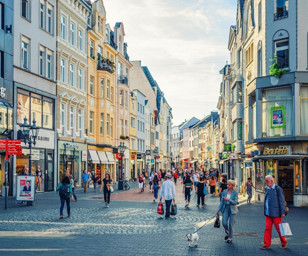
120, 184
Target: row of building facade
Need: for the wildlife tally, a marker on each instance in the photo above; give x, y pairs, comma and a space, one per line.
262, 125
65, 67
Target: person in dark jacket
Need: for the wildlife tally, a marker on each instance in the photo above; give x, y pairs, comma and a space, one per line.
200, 191
65, 186
274, 210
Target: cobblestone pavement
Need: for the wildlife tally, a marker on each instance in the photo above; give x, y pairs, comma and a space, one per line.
134, 228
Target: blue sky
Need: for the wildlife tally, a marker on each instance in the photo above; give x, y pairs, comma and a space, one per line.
183, 43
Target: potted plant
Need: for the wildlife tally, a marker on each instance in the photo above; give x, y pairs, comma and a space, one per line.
275, 70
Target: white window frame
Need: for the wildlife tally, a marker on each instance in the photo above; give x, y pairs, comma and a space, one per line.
91, 89
63, 27
63, 118
49, 64
91, 122
42, 53
72, 120
72, 75
81, 122
63, 70
42, 15
28, 9
102, 123
25, 41
73, 34
49, 25
80, 79
80, 40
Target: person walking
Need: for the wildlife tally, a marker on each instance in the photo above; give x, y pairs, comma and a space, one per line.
175, 176
212, 185
248, 187
168, 193
65, 192
140, 182
155, 186
274, 211
106, 184
200, 191
187, 187
85, 179
95, 181
72, 182
195, 179
223, 186
228, 209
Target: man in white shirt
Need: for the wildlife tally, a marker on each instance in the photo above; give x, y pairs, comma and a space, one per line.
168, 192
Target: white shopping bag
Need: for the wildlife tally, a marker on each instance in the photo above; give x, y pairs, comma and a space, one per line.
285, 229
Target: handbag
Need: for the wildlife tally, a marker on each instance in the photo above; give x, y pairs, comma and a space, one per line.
160, 208
217, 222
174, 209
111, 189
285, 229
205, 190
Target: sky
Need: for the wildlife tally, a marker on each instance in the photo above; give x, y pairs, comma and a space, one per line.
184, 45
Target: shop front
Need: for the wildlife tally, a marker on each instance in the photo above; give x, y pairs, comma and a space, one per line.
132, 166
72, 158
288, 165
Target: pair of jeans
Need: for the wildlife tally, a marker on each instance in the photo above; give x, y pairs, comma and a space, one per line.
155, 191
228, 220
187, 194
269, 221
68, 205
168, 206
75, 197
200, 198
107, 196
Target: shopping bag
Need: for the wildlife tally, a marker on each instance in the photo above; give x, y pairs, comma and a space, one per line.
285, 229
205, 190
174, 209
111, 189
217, 222
160, 208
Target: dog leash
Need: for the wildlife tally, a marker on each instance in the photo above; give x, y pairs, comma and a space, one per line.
205, 223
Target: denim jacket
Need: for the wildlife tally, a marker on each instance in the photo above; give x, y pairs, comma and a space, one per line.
275, 201
233, 202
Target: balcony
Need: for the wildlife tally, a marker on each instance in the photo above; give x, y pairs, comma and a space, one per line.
122, 80
105, 64
281, 14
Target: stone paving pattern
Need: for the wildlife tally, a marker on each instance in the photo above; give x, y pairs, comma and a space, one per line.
134, 228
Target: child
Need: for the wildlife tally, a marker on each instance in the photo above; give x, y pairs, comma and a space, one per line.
249, 187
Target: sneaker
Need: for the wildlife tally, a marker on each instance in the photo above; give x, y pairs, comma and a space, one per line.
107, 205
69, 215
197, 205
186, 205
61, 217
265, 247
283, 246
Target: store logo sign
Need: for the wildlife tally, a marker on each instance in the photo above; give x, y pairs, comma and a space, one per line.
2, 92
275, 151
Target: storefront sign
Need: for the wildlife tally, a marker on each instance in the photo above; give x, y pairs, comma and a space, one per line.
45, 139
233, 156
2, 92
72, 146
275, 151
25, 188
248, 165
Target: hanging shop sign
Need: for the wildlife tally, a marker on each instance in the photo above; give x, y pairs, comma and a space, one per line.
84, 156
225, 155
284, 150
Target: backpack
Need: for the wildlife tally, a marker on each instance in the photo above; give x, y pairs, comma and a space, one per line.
64, 191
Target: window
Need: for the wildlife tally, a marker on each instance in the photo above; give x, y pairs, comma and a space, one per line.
252, 116
108, 125
259, 68
121, 98
49, 65
91, 122
100, 51
25, 53
25, 9
239, 59
72, 120
63, 118
80, 122
111, 93
80, 40
91, 49
80, 79
277, 111
36, 109
73, 34
1, 16
249, 55
42, 15
50, 19
304, 110
259, 16
122, 127
133, 122
138, 127
282, 9
111, 127
72, 75
47, 113
41, 62
282, 52
63, 70
102, 90
91, 85
98, 23
63, 28
1, 64
239, 129
101, 128
23, 106
108, 89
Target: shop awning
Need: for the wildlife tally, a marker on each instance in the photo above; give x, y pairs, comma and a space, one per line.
103, 157
110, 158
278, 157
94, 157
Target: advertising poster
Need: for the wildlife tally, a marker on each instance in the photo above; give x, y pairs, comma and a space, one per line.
278, 117
25, 188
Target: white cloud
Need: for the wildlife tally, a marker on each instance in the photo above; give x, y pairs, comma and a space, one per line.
184, 45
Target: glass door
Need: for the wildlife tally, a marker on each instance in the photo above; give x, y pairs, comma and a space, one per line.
49, 172
285, 179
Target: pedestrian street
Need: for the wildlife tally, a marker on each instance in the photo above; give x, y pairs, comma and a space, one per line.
132, 227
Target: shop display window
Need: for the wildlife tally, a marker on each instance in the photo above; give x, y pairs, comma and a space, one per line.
297, 177
304, 110
270, 167
259, 176
305, 176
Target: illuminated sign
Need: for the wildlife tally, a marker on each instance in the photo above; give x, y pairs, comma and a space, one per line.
275, 151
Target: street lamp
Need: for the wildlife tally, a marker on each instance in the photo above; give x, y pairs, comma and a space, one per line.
30, 133
155, 152
121, 148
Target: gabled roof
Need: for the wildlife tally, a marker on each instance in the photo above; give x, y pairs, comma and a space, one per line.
191, 122
203, 122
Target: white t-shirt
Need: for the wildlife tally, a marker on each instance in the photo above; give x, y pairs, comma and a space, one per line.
195, 176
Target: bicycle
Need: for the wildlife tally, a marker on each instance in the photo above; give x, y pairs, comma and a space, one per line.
126, 185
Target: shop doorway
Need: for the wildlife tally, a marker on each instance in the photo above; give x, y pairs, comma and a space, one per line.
285, 179
72, 166
49, 172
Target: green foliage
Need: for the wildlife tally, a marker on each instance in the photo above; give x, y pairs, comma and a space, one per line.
275, 70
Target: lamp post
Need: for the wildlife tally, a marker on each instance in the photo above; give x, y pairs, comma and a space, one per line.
30, 133
155, 152
121, 148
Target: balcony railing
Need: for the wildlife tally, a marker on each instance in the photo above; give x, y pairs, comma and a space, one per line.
281, 14
122, 80
105, 64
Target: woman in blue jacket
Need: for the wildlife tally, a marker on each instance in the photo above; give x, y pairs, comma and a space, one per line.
228, 209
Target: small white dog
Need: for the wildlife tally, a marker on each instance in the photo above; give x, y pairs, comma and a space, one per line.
193, 239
